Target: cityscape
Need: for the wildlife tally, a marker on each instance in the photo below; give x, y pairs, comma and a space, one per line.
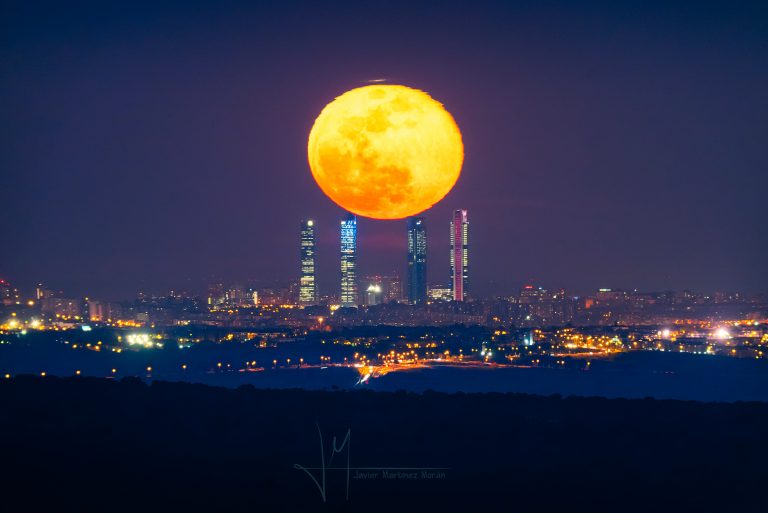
383, 257
375, 325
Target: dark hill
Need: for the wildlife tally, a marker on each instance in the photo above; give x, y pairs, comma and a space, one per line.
100, 445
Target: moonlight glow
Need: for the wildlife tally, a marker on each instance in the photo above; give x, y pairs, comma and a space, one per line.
385, 151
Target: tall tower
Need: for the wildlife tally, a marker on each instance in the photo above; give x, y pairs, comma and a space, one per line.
308, 282
459, 255
417, 260
349, 261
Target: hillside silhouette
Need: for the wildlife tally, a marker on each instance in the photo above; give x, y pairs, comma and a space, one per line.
88, 444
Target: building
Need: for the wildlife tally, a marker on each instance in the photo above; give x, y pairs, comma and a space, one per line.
539, 306
61, 307
98, 311
393, 288
459, 255
373, 294
308, 294
349, 262
440, 293
41, 292
375, 288
235, 296
530, 294
8, 294
417, 260
215, 295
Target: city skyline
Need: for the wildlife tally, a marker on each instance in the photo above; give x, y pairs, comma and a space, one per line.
382, 303
635, 176
351, 285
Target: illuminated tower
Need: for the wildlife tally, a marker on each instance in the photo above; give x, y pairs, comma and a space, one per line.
349, 262
308, 282
417, 260
459, 255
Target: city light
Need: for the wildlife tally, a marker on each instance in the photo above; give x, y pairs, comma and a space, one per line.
722, 334
139, 339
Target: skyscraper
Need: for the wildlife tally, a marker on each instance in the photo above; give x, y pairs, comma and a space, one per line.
459, 255
417, 260
349, 262
308, 282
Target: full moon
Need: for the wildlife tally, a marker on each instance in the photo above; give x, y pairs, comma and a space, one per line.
385, 151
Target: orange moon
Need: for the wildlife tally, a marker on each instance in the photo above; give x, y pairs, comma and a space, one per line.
385, 151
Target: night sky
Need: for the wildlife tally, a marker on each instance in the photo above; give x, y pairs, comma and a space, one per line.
607, 144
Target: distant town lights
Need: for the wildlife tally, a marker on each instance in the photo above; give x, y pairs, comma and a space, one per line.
140, 339
722, 334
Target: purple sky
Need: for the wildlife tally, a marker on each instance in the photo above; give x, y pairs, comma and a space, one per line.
607, 145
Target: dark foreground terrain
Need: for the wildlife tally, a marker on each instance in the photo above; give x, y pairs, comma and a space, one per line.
100, 445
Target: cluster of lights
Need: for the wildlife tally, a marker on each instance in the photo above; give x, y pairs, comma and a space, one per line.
15, 324
370, 367
139, 339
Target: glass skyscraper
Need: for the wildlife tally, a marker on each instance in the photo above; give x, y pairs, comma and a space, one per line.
308, 282
459, 255
349, 262
417, 260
